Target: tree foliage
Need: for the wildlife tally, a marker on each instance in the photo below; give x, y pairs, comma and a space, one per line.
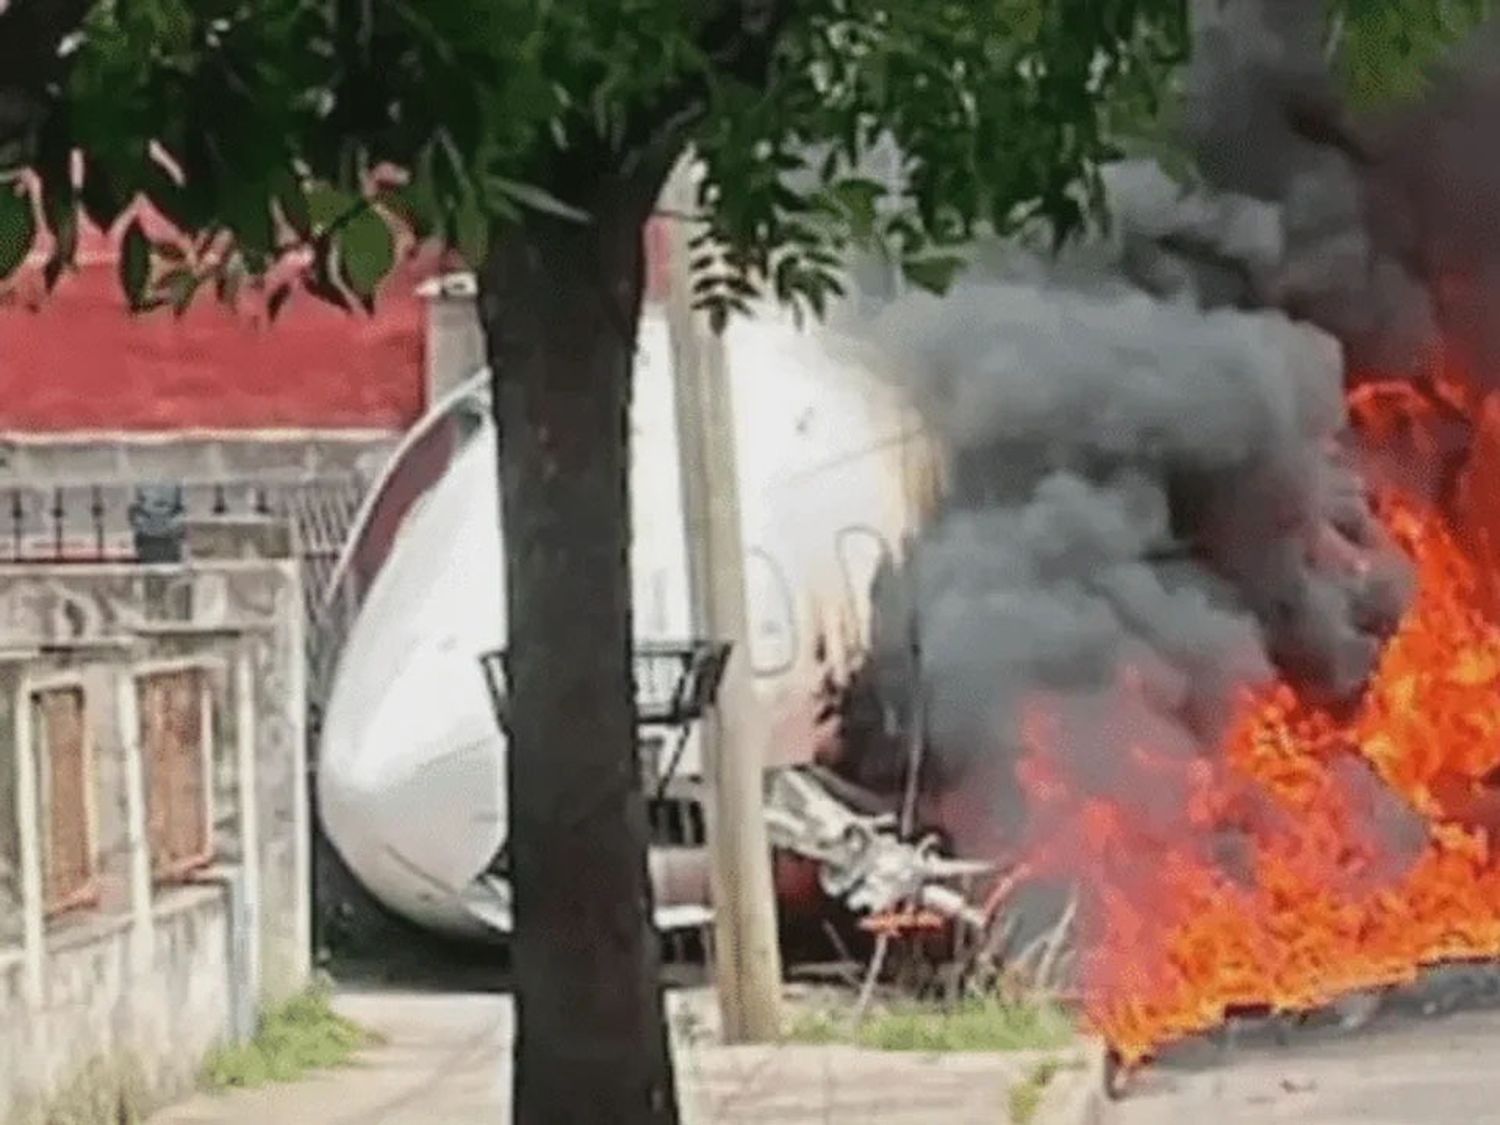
259, 129
1386, 49
262, 130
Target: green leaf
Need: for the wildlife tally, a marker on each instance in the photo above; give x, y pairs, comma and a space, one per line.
327, 206
17, 229
471, 232
249, 216
135, 264
418, 211
169, 197
859, 199
292, 199
421, 194
367, 250
61, 212
320, 281
101, 201
934, 274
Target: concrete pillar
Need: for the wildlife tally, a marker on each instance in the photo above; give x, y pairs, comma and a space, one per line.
301, 960
283, 795
138, 844
248, 813
455, 342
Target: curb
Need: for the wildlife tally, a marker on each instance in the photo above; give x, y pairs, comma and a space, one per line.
1076, 1096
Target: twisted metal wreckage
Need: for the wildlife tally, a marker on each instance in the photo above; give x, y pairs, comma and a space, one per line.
410, 767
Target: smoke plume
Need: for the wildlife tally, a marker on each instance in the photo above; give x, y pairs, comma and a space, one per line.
1153, 505
1147, 516
1385, 224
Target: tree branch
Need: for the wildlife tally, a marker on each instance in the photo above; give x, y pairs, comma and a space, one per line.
739, 39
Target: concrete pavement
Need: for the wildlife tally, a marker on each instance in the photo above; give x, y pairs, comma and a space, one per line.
1398, 1071
445, 1062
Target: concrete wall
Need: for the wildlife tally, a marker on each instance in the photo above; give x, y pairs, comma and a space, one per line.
273, 457
455, 343
119, 1003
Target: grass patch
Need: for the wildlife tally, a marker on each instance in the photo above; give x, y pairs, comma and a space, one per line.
1026, 1096
302, 1036
817, 1028
971, 1025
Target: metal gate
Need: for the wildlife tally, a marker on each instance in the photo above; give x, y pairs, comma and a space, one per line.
322, 515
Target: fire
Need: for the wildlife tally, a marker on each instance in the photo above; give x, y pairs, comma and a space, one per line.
1289, 873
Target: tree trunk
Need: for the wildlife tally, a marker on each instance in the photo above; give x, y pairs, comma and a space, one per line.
560, 302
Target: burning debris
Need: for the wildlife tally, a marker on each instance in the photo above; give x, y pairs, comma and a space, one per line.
1178, 635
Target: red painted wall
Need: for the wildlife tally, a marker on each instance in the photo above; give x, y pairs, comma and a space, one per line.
77, 361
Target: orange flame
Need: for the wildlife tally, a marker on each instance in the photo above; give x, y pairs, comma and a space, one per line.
1279, 886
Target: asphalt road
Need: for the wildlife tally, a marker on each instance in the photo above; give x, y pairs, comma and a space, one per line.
1401, 1069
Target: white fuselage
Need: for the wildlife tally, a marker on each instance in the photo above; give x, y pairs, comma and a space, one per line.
410, 768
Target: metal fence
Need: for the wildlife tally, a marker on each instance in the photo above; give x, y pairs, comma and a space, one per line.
321, 514
94, 522
91, 523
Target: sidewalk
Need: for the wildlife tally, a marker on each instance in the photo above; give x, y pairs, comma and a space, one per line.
446, 1062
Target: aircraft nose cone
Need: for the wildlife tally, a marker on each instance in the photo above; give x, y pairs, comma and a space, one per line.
410, 788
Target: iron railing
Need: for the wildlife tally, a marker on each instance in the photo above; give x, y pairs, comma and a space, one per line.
98, 522
675, 685
675, 682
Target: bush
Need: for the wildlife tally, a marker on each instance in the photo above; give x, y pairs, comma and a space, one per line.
301, 1036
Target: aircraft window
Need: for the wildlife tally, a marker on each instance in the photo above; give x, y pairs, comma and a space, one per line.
773, 622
